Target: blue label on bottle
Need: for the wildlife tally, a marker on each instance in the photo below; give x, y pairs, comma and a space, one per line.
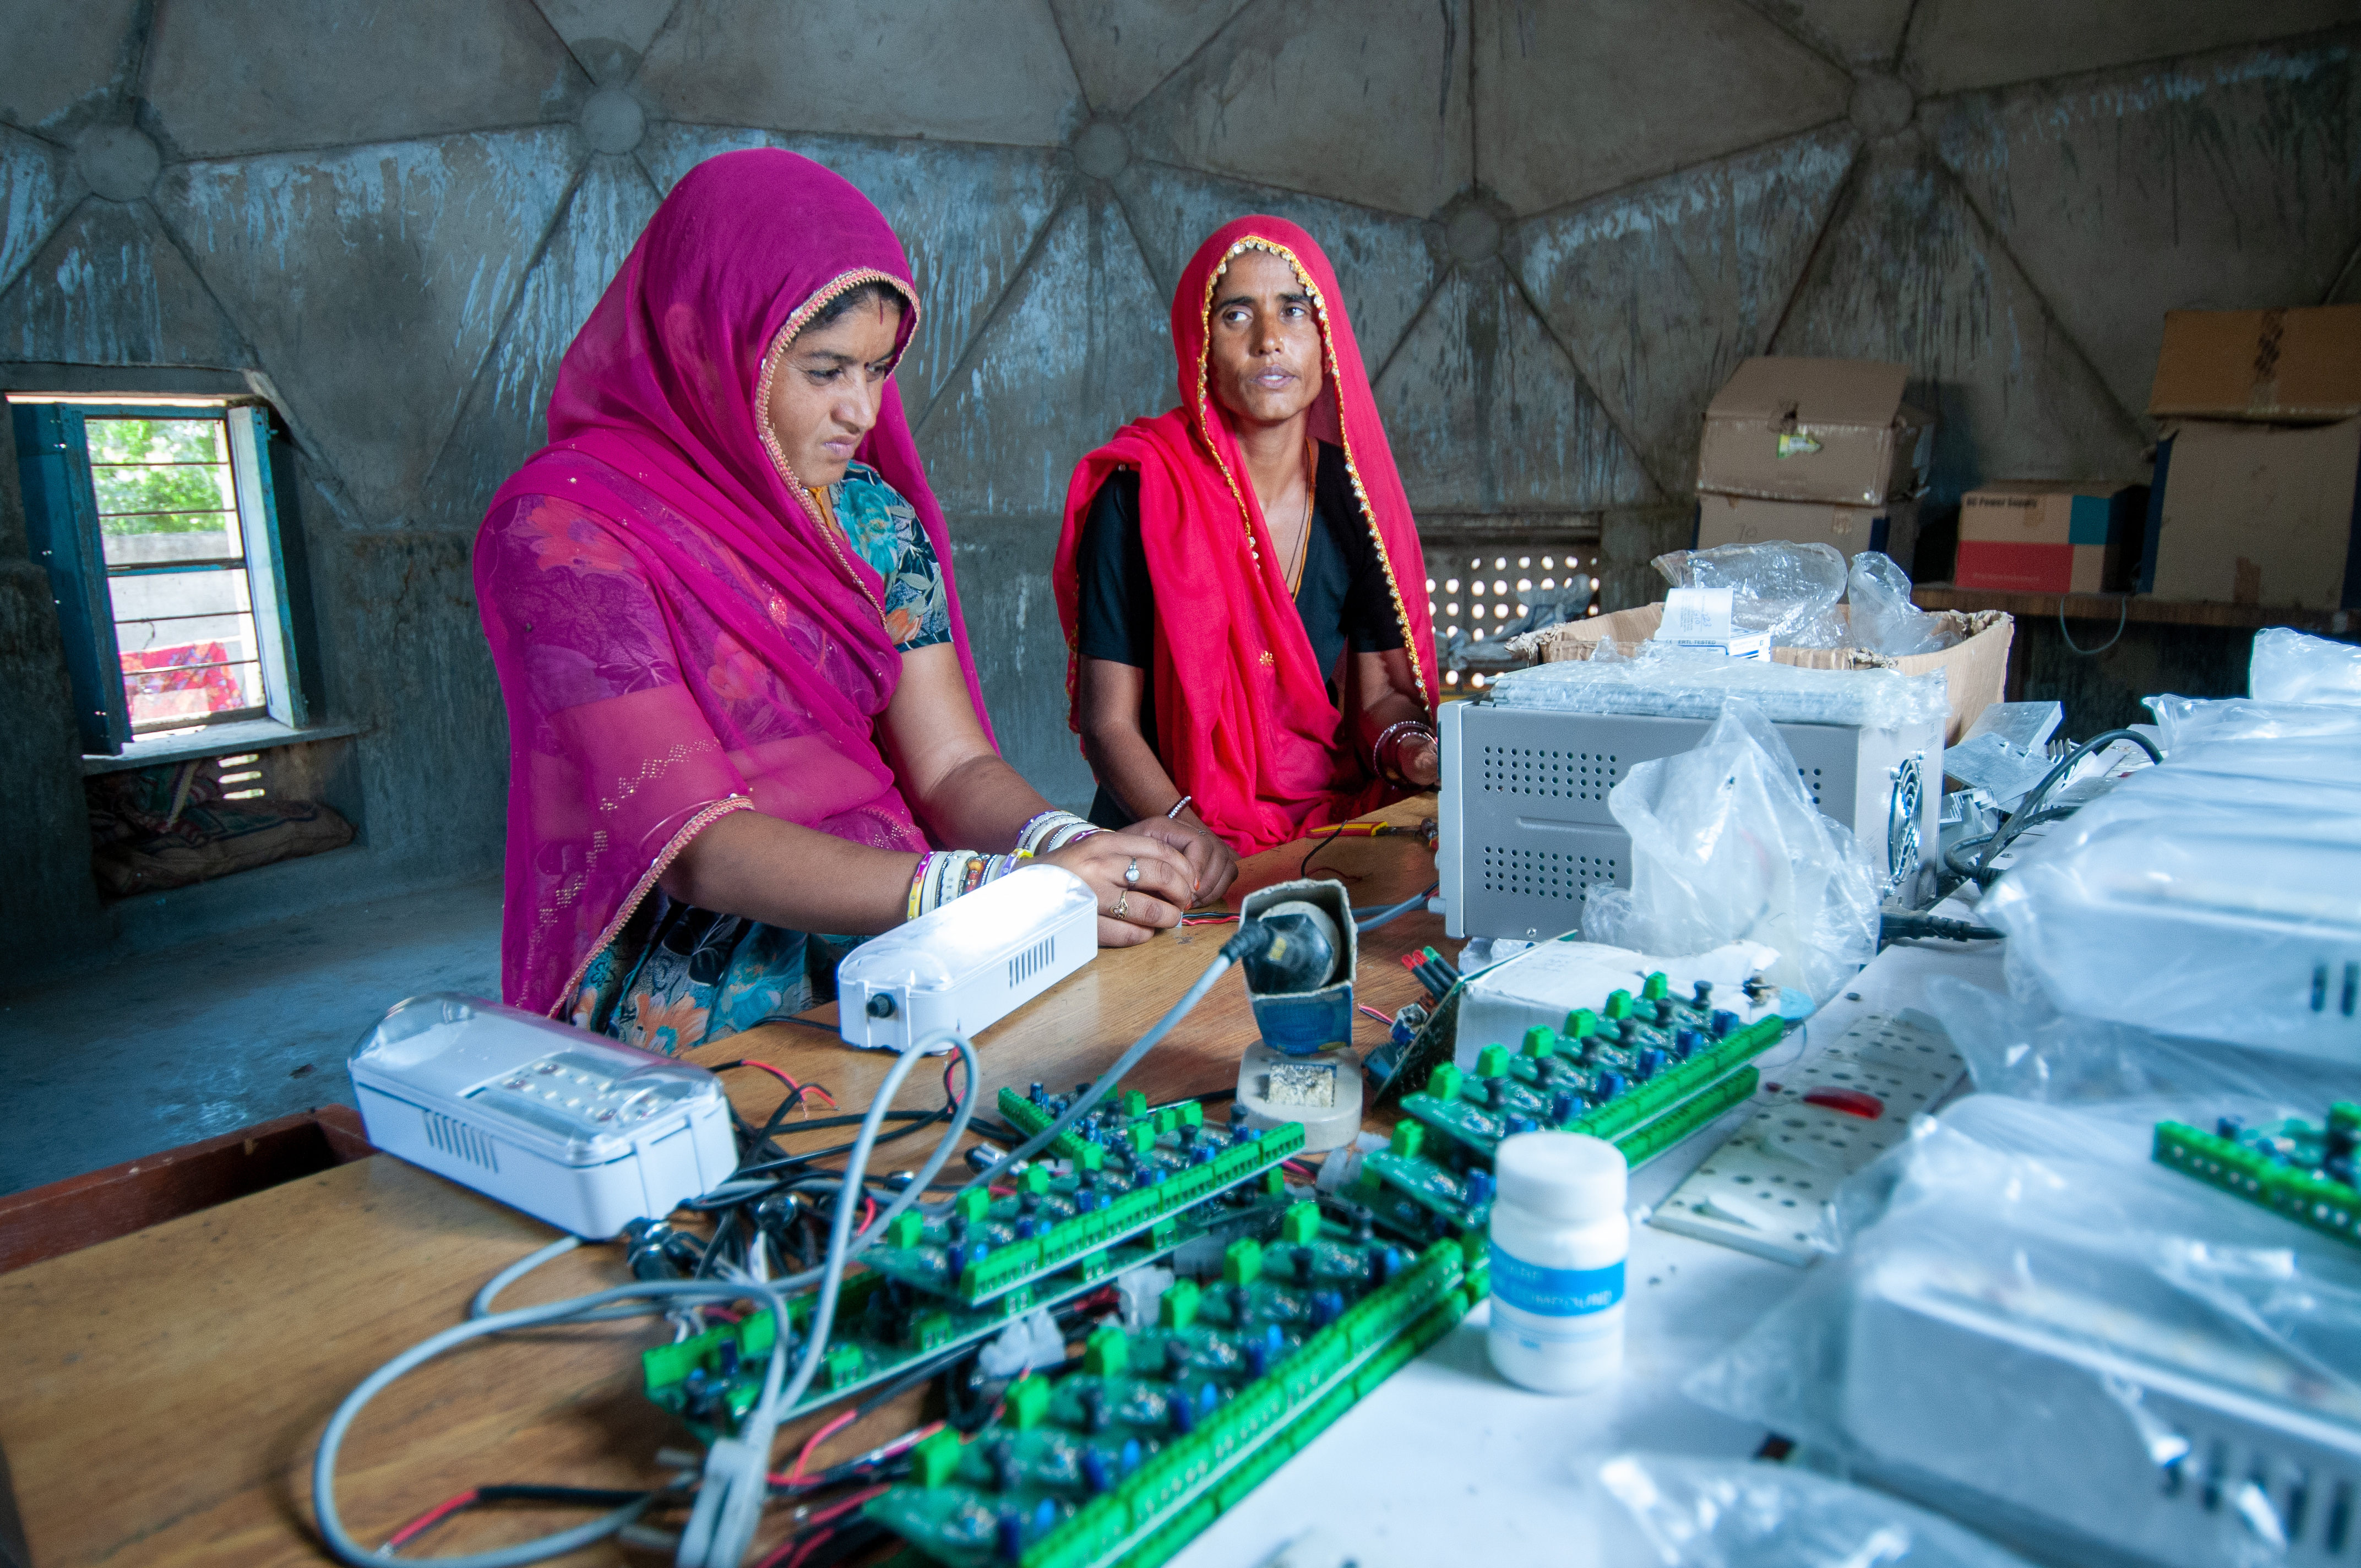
1554, 1292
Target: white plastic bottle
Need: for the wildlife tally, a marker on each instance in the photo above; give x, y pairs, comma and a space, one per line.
1559, 1239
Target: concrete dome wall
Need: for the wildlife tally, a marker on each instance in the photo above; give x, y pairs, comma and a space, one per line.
1559, 224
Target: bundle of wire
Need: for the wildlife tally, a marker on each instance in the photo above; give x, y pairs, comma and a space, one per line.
736, 1482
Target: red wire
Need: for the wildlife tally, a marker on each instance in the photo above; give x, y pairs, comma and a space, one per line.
799, 1545
791, 1083
796, 1477
1385, 1018
431, 1517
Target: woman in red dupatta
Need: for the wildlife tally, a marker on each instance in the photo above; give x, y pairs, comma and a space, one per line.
741, 701
1240, 578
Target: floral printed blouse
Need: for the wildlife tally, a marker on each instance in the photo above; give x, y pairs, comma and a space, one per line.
885, 530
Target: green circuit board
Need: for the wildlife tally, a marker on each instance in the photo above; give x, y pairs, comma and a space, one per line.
1033, 1223
2293, 1167
1128, 1457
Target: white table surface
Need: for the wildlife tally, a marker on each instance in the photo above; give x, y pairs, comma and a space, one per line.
1447, 1463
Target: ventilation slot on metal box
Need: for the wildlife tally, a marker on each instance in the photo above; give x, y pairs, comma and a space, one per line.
1031, 961
1556, 776
2225, 1474
1544, 873
461, 1141
1811, 780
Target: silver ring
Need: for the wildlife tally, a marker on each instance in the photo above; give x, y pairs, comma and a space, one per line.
1121, 905
1131, 873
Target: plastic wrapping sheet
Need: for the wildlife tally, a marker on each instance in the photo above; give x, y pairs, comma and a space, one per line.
1788, 591
2035, 1326
2189, 721
2235, 930
2168, 796
1727, 846
2024, 1047
1884, 620
2288, 666
1663, 681
1706, 1513
2335, 758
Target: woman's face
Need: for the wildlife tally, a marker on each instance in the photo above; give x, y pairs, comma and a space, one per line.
826, 390
1264, 359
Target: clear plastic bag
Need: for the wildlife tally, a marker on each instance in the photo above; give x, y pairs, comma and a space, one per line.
1788, 591
1661, 680
2288, 666
2189, 720
1726, 847
2035, 1326
1723, 1513
2225, 930
1883, 619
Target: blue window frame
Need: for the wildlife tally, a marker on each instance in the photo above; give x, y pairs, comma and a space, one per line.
159, 526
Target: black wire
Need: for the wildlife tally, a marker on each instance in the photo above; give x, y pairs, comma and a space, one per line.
570, 1496
2022, 818
1326, 838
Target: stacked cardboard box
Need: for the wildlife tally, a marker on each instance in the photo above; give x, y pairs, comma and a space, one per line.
1813, 451
2036, 537
2257, 495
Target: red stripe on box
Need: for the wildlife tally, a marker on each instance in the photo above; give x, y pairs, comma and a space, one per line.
2016, 568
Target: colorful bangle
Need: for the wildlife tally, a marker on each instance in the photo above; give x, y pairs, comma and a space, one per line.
918, 884
946, 875
1052, 830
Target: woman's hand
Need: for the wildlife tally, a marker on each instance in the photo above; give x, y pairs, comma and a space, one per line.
1422, 761
1130, 911
1212, 865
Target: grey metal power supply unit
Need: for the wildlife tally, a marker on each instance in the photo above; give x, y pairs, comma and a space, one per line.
1525, 827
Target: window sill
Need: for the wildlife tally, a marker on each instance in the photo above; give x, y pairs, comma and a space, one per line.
222, 740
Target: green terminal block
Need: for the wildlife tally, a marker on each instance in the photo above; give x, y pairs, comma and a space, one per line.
1619, 1004
1131, 1458
2291, 1167
1492, 1061
1580, 1023
1540, 1040
1656, 988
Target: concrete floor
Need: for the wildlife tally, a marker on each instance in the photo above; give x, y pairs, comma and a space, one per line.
197, 1041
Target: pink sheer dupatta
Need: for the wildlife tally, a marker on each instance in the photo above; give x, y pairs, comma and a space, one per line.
677, 634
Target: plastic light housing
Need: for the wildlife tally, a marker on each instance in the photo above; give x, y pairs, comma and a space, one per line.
969, 964
571, 1127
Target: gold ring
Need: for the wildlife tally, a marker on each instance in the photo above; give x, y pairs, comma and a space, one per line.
1123, 904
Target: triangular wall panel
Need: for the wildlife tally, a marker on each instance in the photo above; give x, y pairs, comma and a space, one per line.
62, 62
1485, 414
1587, 95
38, 184
1907, 273
507, 414
1079, 348
945, 68
109, 288
1121, 49
1362, 99
607, 38
434, 236
332, 75
2206, 218
1661, 290
1386, 264
1958, 44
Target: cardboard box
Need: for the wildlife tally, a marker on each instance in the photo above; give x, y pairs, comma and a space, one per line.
2289, 366
1891, 529
1975, 669
2049, 538
1815, 430
2257, 514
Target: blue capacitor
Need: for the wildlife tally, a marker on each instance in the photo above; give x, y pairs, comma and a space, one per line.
1724, 1021
1610, 1084
1563, 1106
1009, 1537
1184, 1418
1479, 1187
1130, 1454
1652, 1062
1095, 1470
1519, 1125
1685, 1041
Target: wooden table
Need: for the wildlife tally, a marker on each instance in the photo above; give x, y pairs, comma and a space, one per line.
161, 1393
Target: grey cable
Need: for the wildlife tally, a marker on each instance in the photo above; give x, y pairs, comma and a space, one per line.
638, 1299
1391, 912
2030, 806
2122, 619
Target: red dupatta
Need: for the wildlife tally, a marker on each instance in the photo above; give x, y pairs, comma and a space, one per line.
1242, 712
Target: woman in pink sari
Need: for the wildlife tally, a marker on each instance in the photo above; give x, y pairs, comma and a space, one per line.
742, 704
